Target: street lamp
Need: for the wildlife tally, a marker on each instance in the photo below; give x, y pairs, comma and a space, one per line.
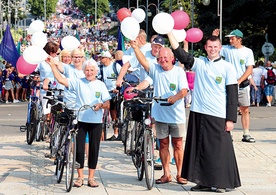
219, 13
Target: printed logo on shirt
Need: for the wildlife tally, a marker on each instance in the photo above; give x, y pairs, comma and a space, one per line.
172, 87
242, 62
218, 80
113, 75
97, 94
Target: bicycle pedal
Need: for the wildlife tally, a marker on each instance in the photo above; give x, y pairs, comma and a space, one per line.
23, 128
157, 167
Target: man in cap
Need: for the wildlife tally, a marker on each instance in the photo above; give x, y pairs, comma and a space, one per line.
108, 68
243, 59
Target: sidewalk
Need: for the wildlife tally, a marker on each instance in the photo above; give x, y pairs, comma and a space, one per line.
24, 170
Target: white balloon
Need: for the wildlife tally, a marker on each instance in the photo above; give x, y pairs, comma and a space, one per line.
36, 26
70, 43
163, 23
39, 39
34, 54
130, 28
179, 35
139, 14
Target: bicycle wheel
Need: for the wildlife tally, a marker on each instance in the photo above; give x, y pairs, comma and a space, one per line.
128, 129
38, 131
70, 161
105, 121
59, 167
149, 158
137, 157
54, 140
31, 126
60, 154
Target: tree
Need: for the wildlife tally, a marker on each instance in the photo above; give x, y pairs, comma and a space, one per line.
88, 7
37, 7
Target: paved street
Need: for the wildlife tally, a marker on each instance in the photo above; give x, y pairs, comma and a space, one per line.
24, 170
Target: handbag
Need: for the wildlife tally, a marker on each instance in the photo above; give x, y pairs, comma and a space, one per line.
244, 84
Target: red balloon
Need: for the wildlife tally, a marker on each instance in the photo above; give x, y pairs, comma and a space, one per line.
24, 67
123, 13
194, 35
181, 19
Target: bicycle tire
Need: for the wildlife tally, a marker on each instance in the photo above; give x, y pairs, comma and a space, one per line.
31, 126
129, 125
38, 130
149, 158
59, 168
105, 117
70, 162
60, 159
137, 156
55, 138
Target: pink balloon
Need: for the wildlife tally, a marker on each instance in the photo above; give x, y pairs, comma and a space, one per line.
194, 35
181, 19
123, 13
20, 75
24, 67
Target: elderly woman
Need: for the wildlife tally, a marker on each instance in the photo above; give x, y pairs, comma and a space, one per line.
90, 91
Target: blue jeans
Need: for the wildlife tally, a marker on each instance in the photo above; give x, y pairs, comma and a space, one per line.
255, 94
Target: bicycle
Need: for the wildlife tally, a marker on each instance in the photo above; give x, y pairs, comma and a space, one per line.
142, 136
34, 107
66, 151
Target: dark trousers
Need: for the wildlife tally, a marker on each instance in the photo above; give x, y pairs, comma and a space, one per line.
94, 132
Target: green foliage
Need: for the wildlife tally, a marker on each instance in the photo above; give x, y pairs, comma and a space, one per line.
37, 7
88, 7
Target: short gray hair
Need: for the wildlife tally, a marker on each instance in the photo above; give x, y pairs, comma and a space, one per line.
90, 62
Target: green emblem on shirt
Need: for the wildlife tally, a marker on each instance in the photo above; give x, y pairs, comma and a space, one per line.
172, 87
113, 75
242, 62
97, 94
218, 80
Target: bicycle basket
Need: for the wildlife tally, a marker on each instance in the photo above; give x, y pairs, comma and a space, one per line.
62, 118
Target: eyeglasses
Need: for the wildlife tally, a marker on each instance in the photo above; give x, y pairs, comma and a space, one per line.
77, 57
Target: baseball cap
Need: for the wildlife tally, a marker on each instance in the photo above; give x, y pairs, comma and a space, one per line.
105, 54
236, 33
159, 40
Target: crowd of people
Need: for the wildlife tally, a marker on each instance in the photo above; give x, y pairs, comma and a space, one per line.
212, 87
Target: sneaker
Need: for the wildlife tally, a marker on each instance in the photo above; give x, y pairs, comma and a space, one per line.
16, 101
112, 138
220, 190
158, 164
173, 161
248, 138
158, 161
7, 102
268, 105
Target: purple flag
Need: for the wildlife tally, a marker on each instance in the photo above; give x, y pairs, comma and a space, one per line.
8, 50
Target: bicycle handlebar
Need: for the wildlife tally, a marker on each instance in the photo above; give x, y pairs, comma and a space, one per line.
149, 100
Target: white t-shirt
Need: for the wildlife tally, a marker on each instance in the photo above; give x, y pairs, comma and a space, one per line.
166, 84
265, 73
71, 72
211, 78
257, 75
108, 71
241, 58
89, 93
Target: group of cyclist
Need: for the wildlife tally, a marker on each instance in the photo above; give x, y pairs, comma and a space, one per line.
97, 83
